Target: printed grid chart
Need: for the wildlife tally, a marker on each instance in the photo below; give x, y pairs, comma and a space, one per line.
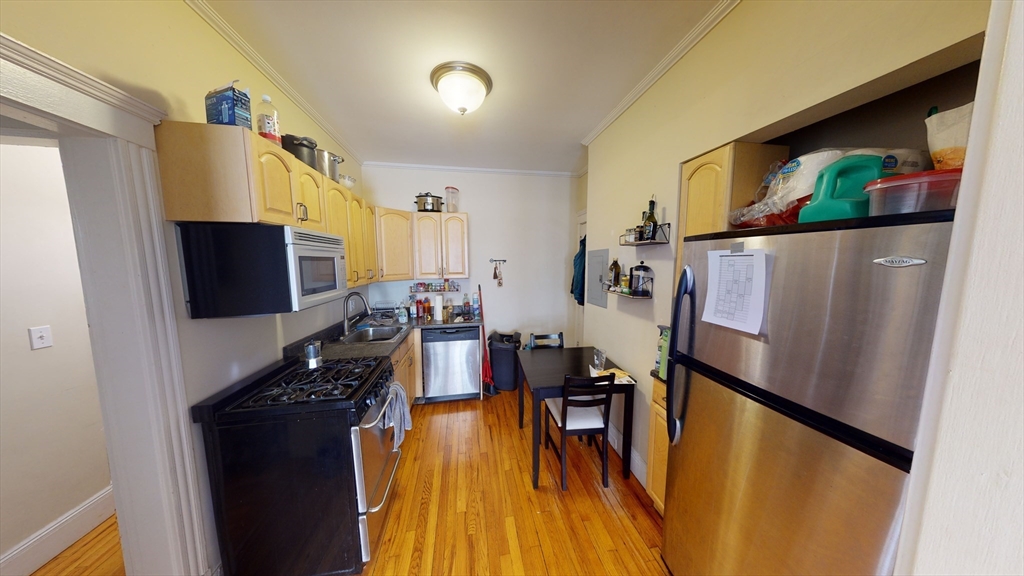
735, 285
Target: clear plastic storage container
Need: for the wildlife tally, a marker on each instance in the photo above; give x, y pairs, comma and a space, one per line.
917, 192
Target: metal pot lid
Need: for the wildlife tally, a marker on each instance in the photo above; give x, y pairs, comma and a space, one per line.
642, 268
301, 140
427, 195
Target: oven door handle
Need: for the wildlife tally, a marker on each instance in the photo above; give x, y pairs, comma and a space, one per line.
383, 411
391, 480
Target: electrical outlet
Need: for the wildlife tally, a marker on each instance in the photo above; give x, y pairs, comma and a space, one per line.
40, 337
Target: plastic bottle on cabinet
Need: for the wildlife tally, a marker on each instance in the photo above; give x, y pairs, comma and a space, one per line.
267, 122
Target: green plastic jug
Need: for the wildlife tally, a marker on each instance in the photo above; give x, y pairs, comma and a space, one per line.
839, 189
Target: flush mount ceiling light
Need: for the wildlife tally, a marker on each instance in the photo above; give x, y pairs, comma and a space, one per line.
462, 85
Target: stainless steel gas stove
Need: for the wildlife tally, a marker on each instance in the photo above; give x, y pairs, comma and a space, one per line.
301, 466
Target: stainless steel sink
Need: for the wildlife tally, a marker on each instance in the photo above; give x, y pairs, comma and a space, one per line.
374, 334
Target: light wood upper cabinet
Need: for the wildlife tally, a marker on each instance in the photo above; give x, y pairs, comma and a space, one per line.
455, 247
427, 237
274, 190
355, 250
214, 173
336, 208
370, 244
722, 181
441, 245
719, 182
394, 244
309, 197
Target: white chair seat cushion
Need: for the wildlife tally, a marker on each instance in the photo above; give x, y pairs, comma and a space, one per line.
579, 418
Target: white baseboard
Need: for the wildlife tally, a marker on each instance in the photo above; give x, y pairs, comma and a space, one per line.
637, 465
44, 545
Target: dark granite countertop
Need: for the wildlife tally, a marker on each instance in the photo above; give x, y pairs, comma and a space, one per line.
333, 348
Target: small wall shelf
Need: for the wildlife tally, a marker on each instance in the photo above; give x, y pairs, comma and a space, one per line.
661, 236
628, 295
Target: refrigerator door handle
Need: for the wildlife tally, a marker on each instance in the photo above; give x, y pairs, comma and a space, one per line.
684, 288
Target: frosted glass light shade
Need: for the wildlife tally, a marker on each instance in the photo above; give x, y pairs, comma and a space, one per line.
461, 91
462, 86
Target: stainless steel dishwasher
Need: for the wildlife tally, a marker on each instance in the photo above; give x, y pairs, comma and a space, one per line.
451, 363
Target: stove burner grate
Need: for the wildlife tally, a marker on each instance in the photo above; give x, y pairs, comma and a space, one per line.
334, 380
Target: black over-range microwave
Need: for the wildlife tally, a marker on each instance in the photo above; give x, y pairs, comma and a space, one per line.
232, 269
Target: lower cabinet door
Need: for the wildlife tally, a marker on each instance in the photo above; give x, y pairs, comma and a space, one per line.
657, 457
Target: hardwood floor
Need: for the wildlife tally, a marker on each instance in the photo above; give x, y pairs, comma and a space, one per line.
98, 553
465, 505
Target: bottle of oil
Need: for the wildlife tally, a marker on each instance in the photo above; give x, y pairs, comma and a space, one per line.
650, 223
614, 272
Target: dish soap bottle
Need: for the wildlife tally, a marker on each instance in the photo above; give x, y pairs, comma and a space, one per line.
266, 121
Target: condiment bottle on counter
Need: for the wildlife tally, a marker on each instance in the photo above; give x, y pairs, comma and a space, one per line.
465, 303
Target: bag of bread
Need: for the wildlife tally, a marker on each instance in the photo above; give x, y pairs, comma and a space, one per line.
947, 136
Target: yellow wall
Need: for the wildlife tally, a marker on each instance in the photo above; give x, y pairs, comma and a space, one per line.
161, 52
764, 62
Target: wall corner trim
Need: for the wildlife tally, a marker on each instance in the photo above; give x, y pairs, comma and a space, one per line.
709, 21
54, 538
32, 60
207, 13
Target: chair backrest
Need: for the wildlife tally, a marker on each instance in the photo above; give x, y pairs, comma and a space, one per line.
583, 392
550, 340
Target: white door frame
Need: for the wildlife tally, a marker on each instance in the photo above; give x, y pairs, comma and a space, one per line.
578, 311
108, 152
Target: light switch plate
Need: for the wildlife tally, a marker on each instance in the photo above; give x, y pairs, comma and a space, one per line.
40, 337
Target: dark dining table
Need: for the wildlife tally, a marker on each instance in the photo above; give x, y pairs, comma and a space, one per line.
545, 370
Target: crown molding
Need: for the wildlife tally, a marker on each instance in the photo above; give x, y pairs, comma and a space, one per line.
501, 171
207, 13
703, 27
582, 172
52, 69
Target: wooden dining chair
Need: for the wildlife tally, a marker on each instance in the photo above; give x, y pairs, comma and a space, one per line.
582, 410
549, 341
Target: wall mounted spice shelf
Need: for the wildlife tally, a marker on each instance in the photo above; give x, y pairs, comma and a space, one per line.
661, 236
628, 295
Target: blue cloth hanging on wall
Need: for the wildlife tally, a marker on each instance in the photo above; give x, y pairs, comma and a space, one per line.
579, 272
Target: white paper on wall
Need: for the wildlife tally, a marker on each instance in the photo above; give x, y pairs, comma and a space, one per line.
737, 290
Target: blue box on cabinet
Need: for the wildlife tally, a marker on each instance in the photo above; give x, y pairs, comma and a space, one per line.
228, 105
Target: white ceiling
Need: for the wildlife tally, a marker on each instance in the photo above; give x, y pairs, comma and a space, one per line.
559, 69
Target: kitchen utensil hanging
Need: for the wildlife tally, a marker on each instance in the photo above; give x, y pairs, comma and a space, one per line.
497, 271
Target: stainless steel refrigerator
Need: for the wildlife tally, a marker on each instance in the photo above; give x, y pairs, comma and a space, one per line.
791, 447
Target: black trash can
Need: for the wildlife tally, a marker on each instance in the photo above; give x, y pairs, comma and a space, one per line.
503, 348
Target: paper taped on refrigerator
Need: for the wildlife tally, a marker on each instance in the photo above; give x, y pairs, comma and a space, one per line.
737, 289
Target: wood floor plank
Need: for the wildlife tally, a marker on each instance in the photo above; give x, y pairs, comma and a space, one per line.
97, 553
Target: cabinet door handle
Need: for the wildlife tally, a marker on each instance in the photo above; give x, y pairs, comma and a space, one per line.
303, 211
356, 272
381, 272
369, 273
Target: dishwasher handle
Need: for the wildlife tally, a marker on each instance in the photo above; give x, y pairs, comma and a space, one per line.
450, 334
